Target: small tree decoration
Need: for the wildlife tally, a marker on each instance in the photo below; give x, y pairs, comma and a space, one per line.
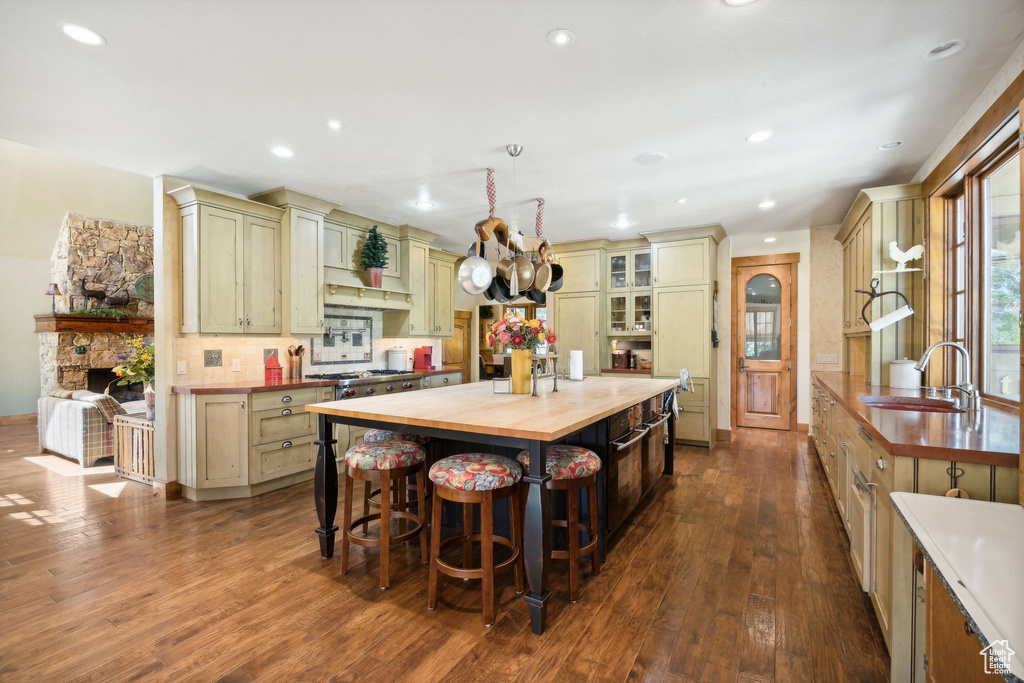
375, 256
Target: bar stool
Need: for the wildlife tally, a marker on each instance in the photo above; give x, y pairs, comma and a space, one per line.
571, 468
383, 461
371, 496
467, 479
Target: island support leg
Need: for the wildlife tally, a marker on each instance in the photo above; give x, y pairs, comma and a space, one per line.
325, 487
537, 535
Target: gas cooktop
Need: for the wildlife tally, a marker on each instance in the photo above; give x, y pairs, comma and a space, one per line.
366, 374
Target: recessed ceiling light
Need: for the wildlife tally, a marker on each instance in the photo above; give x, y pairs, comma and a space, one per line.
85, 36
282, 151
562, 37
766, 204
738, 3
769, 240
759, 136
681, 200
333, 124
424, 205
649, 158
886, 146
944, 50
622, 223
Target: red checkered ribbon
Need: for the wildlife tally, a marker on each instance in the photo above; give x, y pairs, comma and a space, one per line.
492, 196
540, 217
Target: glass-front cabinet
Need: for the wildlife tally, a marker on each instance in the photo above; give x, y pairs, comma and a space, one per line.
629, 313
629, 269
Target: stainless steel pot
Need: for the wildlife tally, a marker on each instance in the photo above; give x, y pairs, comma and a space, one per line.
475, 274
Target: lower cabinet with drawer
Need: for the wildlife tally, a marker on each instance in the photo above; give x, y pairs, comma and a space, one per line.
241, 445
444, 379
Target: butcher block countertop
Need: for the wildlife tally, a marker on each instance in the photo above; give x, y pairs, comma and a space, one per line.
476, 408
250, 386
991, 436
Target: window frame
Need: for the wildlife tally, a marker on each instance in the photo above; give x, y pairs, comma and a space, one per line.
971, 189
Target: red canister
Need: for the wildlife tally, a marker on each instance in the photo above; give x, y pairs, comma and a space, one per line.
272, 370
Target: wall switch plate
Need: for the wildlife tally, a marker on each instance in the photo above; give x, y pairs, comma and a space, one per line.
236, 364
181, 367
827, 358
267, 353
212, 358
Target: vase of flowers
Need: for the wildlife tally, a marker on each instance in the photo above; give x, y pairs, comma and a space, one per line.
521, 337
374, 256
139, 365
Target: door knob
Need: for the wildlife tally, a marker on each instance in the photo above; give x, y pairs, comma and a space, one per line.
742, 360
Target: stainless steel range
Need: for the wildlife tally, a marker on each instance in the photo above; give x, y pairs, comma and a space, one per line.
370, 382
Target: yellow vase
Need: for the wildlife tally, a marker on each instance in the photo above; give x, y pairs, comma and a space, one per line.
521, 368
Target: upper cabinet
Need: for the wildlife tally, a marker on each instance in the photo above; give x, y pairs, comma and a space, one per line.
882, 220
416, 320
441, 286
231, 264
681, 262
582, 271
629, 269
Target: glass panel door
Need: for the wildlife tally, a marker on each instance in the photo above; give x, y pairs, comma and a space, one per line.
617, 271
641, 312
617, 313
641, 268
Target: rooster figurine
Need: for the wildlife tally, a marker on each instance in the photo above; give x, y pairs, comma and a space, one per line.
903, 257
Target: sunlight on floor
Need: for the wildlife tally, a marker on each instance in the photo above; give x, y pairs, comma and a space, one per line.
68, 468
113, 489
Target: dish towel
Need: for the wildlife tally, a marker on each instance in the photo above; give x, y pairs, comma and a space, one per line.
685, 381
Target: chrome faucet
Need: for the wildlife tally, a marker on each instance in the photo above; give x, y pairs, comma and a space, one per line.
968, 390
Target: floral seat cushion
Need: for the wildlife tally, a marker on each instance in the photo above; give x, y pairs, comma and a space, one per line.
387, 455
566, 462
379, 435
476, 472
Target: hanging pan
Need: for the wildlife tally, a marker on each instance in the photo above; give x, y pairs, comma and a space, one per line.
475, 272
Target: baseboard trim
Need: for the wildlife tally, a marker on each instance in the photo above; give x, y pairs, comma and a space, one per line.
724, 434
803, 427
27, 418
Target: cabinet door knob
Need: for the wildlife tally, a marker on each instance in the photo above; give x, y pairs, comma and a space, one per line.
446, 380
880, 464
239, 322
286, 444
286, 399
286, 411
248, 321
243, 406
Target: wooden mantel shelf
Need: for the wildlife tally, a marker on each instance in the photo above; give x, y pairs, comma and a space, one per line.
68, 322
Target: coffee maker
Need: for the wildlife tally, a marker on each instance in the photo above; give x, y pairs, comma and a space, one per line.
422, 358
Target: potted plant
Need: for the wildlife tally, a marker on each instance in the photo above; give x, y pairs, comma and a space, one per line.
139, 365
375, 256
521, 336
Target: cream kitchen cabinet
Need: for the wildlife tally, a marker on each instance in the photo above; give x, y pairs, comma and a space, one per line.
355, 238
629, 312
242, 444
441, 293
682, 331
418, 320
629, 269
441, 379
577, 324
681, 262
231, 264
582, 271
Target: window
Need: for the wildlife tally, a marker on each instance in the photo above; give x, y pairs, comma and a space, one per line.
983, 219
1000, 213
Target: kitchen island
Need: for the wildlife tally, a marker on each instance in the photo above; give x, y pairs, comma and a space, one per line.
473, 413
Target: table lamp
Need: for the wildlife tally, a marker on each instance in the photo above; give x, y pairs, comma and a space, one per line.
53, 291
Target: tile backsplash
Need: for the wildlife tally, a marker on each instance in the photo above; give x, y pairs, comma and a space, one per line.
250, 351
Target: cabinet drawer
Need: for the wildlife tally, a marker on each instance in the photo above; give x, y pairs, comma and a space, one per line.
292, 398
446, 380
692, 424
282, 458
279, 424
700, 396
885, 475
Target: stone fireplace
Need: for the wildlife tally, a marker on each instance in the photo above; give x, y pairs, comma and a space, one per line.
101, 256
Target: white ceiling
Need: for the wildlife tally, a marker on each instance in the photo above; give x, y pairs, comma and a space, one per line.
430, 93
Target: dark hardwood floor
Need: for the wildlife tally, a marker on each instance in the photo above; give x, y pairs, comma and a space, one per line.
737, 569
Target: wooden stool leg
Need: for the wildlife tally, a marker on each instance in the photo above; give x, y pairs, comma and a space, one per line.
346, 522
421, 511
400, 488
435, 545
487, 557
595, 554
516, 513
467, 531
385, 528
573, 529
367, 490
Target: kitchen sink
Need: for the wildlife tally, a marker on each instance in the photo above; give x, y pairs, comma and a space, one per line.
910, 403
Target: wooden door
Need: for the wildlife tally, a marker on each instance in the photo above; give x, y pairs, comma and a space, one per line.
578, 326
954, 652
763, 350
307, 272
681, 334
262, 275
686, 262
220, 270
455, 351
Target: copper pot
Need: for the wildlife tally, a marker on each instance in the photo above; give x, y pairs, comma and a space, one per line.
524, 272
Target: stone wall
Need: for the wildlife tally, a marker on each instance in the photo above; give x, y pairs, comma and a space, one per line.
102, 255
66, 357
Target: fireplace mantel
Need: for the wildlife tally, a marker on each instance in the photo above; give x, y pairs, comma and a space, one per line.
68, 322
